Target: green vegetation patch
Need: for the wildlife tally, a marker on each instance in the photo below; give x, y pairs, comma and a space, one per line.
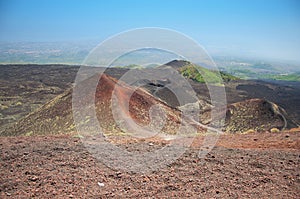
287, 77
203, 75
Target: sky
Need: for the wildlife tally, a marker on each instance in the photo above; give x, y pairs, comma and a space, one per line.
269, 28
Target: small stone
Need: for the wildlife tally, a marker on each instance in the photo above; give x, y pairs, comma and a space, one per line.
33, 178
101, 184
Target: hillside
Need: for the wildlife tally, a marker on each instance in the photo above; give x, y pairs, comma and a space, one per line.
24, 88
191, 71
254, 115
56, 116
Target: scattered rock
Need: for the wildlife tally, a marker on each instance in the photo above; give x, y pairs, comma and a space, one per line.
101, 184
42, 175
33, 178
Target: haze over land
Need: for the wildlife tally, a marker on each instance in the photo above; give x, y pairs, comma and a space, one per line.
252, 29
252, 39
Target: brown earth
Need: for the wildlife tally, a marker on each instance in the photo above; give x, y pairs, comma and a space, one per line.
255, 165
253, 115
56, 116
26, 88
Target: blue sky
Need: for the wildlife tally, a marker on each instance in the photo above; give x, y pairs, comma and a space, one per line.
269, 28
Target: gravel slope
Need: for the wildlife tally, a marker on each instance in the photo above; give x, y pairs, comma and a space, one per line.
255, 165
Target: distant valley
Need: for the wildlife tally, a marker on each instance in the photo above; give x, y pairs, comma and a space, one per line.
73, 53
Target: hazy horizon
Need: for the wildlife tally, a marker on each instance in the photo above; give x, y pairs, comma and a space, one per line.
267, 30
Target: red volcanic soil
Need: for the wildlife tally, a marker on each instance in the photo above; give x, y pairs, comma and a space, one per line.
56, 116
139, 103
255, 165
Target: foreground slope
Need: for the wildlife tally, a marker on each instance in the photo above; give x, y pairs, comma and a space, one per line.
256, 165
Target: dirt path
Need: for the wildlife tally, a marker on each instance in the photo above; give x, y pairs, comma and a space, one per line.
240, 166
